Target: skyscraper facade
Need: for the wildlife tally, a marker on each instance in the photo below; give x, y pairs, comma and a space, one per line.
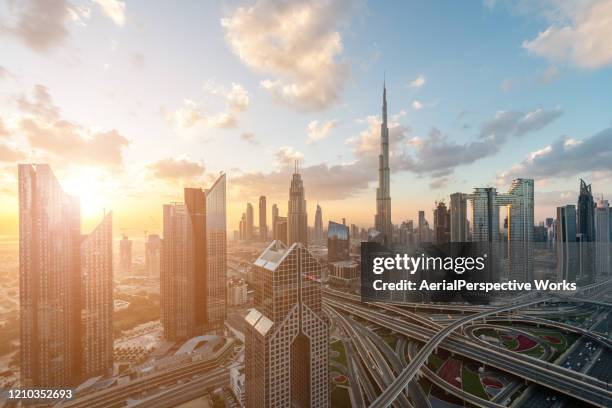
49, 281
585, 213
566, 246
263, 225
318, 225
280, 229
96, 331
382, 220
297, 219
602, 238
216, 242
274, 217
458, 217
287, 334
249, 222
441, 223
338, 243
520, 202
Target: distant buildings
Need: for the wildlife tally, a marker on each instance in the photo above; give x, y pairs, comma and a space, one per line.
263, 225
441, 224
249, 234
338, 242
318, 226
344, 274
382, 219
458, 217
287, 334
193, 268
152, 256
297, 219
274, 217
65, 290
423, 229
125, 256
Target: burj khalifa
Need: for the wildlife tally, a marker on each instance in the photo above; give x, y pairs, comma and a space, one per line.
382, 220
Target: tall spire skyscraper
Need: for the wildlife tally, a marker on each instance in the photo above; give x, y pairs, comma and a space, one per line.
297, 224
382, 220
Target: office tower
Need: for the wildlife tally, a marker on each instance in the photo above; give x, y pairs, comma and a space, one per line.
485, 215
585, 213
458, 217
249, 222
242, 227
183, 268
281, 229
540, 234
216, 243
566, 243
318, 225
441, 223
152, 255
297, 219
519, 200
382, 220
274, 217
263, 225
125, 256
49, 281
337, 242
407, 236
423, 228
354, 231
287, 334
97, 300
551, 233
602, 238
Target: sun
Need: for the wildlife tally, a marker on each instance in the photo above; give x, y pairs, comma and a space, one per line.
93, 187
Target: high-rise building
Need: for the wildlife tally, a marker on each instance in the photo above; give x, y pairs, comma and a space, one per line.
441, 223
125, 256
338, 243
242, 228
49, 281
423, 228
280, 229
274, 217
602, 238
249, 222
297, 219
318, 225
458, 217
287, 334
520, 202
585, 213
566, 246
97, 300
152, 255
192, 268
263, 225
382, 220
216, 243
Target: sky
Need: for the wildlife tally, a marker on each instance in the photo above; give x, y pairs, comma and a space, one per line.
130, 101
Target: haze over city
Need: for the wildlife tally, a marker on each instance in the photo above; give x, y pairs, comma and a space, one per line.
130, 102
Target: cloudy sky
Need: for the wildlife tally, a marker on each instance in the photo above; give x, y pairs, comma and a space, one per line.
129, 101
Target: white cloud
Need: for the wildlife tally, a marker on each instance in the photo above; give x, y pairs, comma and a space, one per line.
287, 156
318, 131
113, 9
418, 82
417, 105
297, 43
582, 38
